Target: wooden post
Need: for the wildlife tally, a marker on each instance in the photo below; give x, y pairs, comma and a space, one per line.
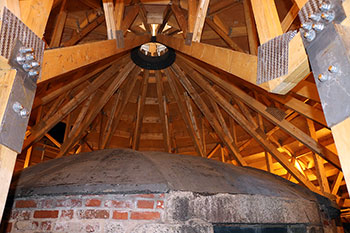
200, 19
341, 137
7, 156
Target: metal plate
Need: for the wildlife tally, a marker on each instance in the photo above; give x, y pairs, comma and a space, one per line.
13, 126
331, 48
13, 29
273, 57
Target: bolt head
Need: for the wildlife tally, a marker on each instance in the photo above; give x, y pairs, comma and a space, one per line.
20, 59
307, 25
24, 113
315, 16
323, 77
33, 73
318, 27
35, 64
26, 66
325, 6
30, 57
333, 69
310, 35
328, 16
24, 50
17, 107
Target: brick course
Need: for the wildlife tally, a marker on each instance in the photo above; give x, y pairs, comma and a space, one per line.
63, 213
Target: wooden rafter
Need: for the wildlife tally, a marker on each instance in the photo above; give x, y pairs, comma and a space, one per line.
121, 109
79, 35
167, 13
253, 40
206, 112
55, 60
221, 6
180, 18
240, 119
108, 7
140, 110
260, 108
181, 106
130, 18
112, 88
39, 130
162, 111
59, 26
200, 19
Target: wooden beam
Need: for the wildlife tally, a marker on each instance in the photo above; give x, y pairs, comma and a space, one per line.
251, 27
12, 5
91, 3
180, 18
7, 165
140, 110
120, 111
143, 15
59, 26
35, 14
266, 19
7, 156
63, 60
319, 164
200, 19
115, 100
108, 8
260, 108
42, 100
163, 117
192, 117
192, 11
248, 126
78, 35
220, 6
206, 112
112, 88
337, 182
290, 17
185, 117
130, 18
228, 40
167, 13
39, 130
342, 142
119, 13
300, 3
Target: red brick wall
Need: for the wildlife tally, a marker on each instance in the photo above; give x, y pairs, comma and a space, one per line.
83, 213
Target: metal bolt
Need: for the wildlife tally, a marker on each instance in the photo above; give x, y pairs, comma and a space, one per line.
20, 59
30, 57
328, 16
24, 50
307, 25
333, 69
33, 73
315, 16
310, 35
325, 6
35, 64
318, 27
24, 113
323, 77
26, 66
17, 107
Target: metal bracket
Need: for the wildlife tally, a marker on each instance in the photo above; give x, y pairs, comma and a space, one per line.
328, 49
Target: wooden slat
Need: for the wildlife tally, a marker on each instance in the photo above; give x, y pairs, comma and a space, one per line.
140, 110
63, 60
185, 117
200, 19
97, 107
260, 108
163, 116
119, 13
115, 101
59, 26
210, 117
337, 183
192, 10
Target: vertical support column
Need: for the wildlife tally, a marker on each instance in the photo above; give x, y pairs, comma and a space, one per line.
119, 15
7, 156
